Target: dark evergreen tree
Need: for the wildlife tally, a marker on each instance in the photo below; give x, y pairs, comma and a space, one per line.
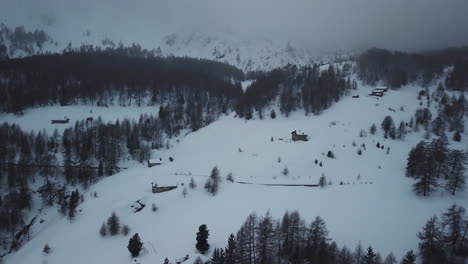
370, 257
113, 223
273, 114
388, 127
389, 259
72, 204
192, 183
212, 184
103, 230
410, 258
266, 240
431, 243
231, 251
373, 129
453, 223
202, 239
455, 172
135, 245
46, 249
218, 256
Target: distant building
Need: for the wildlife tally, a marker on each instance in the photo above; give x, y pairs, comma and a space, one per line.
152, 163
296, 137
379, 91
60, 121
158, 189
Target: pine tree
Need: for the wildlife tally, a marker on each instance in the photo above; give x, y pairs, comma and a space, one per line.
103, 230
410, 258
322, 181
212, 184
231, 251
113, 223
273, 114
345, 256
455, 172
202, 239
439, 151
452, 221
358, 253
401, 133
74, 199
218, 256
390, 259
266, 236
369, 257
318, 232
229, 177
125, 230
135, 245
431, 243
46, 249
388, 127
373, 129
192, 184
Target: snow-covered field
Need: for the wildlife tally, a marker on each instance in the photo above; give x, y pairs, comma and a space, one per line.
379, 209
40, 118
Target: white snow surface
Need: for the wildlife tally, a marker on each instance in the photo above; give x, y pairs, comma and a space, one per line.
385, 214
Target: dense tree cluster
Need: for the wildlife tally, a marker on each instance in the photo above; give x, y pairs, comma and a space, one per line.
427, 162
263, 240
309, 88
458, 78
398, 68
117, 76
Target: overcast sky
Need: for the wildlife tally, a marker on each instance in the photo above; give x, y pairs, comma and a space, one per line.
346, 24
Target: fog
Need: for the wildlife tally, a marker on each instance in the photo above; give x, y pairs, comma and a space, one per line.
317, 24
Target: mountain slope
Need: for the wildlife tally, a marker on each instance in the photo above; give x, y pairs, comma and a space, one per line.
378, 208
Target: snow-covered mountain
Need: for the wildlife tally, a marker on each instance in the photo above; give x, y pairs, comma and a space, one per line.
253, 54
248, 54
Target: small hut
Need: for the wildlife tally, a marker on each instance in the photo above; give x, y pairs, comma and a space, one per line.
60, 121
152, 163
296, 137
158, 189
379, 91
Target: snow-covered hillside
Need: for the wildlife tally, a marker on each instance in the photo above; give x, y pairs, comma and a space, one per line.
378, 207
248, 54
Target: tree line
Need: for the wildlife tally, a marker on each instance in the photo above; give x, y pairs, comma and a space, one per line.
308, 87
120, 76
291, 240
400, 68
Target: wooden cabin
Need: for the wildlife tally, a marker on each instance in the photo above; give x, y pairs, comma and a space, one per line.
379, 91
296, 137
158, 189
152, 163
60, 121
381, 88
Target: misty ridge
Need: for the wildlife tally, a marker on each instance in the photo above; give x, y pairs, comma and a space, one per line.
315, 24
